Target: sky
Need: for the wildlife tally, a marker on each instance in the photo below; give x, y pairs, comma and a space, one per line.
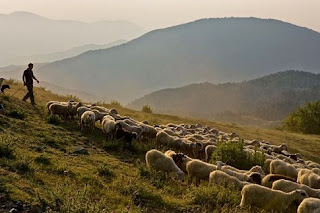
152, 14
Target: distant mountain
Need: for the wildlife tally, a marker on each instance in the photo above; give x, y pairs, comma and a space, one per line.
27, 34
213, 50
65, 54
270, 98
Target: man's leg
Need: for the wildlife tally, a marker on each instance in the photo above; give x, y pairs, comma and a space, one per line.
26, 96
30, 89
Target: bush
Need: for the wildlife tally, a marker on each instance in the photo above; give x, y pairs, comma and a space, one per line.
16, 114
115, 104
213, 197
146, 109
6, 151
305, 119
42, 159
105, 172
234, 155
53, 120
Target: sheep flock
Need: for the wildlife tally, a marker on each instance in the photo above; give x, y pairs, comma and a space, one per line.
285, 180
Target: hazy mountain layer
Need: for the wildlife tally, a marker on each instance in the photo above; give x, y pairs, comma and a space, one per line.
213, 50
270, 98
27, 34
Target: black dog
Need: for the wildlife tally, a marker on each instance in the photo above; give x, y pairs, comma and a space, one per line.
4, 87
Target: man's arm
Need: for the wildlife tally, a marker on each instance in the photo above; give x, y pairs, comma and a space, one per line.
34, 77
24, 77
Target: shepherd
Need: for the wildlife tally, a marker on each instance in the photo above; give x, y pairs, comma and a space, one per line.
28, 82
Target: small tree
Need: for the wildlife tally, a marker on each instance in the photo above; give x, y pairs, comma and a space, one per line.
305, 119
146, 109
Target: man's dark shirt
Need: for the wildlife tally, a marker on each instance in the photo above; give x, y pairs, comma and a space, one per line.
28, 75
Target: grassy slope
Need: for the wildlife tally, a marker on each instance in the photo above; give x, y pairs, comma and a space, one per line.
44, 169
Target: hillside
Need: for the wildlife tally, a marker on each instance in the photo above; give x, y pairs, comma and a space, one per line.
26, 34
271, 97
207, 50
38, 166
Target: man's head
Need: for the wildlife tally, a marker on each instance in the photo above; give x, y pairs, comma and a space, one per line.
30, 66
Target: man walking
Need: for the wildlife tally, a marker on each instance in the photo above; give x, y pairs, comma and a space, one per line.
28, 81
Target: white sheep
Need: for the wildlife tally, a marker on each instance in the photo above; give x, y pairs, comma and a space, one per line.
81, 110
248, 177
222, 178
289, 186
309, 178
109, 127
99, 115
199, 170
129, 128
283, 168
60, 109
164, 139
309, 205
316, 170
268, 180
209, 150
257, 169
269, 199
88, 120
159, 161
99, 108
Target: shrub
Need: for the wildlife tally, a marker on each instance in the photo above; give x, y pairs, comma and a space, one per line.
305, 119
16, 114
213, 197
105, 172
146, 109
6, 151
53, 120
42, 159
146, 198
234, 155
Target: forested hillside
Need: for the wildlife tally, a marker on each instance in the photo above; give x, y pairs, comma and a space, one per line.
271, 97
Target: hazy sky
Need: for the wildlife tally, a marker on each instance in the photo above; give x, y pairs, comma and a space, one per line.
160, 13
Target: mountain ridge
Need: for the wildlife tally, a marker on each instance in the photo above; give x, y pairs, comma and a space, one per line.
271, 97
215, 50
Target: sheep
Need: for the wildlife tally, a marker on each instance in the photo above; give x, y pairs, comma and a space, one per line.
279, 149
159, 161
170, 132
99, 115
222, 178
60, 109
108, 127
180, 159
283, 168
268, 180
313, 165
164, 139
148, 132
136, 129
87, 120
289, 186
124, 134
253, 177
74, 110
257, 169
81, 110
209, 150
309, 178
200, 170
309, 205
269, 199
316, 170
49, 104
100, 109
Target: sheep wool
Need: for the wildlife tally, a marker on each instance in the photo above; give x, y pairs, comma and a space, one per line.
289, 186
309, 205
199, 170
159, 161
282, 168
222, 178
269, 199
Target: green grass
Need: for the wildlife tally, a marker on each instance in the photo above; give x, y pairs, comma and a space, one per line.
38, 167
